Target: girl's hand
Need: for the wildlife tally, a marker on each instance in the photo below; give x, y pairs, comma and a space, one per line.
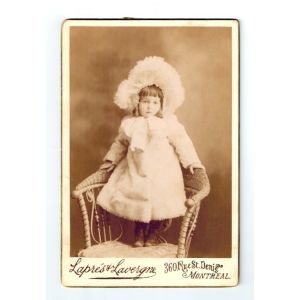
111, 168
108, 166
191, 168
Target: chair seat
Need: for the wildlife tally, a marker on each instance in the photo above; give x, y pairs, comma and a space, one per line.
118, 249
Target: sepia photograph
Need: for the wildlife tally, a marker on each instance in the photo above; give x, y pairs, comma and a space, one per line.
150, 152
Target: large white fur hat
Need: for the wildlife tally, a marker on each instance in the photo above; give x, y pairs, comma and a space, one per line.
146, 72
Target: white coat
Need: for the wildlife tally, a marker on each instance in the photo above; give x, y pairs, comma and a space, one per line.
147, 183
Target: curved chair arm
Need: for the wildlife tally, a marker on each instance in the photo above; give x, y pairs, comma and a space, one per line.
193, 203
200, 195
96, 180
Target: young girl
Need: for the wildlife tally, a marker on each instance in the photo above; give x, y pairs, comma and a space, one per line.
146, 185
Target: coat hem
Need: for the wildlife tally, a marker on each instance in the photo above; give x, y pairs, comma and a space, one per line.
139, 220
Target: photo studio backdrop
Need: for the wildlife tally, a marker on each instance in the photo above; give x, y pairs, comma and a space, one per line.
100, 58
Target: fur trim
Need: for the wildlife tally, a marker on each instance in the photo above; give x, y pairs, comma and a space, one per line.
151, 70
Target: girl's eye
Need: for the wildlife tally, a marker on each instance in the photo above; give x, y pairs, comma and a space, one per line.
149, 101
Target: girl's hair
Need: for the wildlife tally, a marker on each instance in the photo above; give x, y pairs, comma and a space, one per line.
152, 90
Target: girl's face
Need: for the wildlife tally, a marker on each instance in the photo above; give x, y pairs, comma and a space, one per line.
149, 106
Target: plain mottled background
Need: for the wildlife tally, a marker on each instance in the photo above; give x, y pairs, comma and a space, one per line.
100, 58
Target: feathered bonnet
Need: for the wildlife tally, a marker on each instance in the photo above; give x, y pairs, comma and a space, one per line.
152, 70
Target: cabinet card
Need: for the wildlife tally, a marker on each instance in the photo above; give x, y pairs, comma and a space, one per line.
150, 153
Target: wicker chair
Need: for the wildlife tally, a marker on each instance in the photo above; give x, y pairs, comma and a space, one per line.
102, 241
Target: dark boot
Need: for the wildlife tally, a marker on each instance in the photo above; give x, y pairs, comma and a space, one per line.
139, 233
152, 236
